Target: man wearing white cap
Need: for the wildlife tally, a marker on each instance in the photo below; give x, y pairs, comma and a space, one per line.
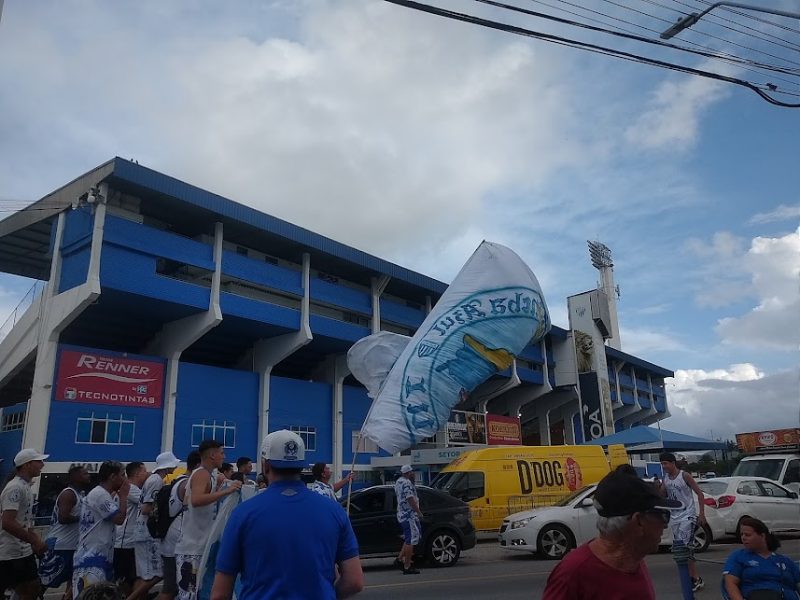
287, 541
149, 567
408, 515
18, 541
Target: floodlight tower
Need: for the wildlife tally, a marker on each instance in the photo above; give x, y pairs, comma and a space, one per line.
600, 255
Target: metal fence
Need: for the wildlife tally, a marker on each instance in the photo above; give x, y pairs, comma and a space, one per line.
24, 304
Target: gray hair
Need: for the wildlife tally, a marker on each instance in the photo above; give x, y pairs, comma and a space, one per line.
611, 526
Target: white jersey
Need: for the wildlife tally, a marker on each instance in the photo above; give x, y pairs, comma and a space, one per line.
96, 541
126, 533
678, 489
196, 520
65, 535
176, 508
149, 490
16, 496
324, 489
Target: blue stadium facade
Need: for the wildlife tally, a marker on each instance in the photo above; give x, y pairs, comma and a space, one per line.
250, 316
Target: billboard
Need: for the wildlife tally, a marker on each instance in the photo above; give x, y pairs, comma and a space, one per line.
99, 377
769, 441
503, 431
466, 427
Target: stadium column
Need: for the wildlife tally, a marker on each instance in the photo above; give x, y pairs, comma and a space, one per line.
176, 336
270, 351
334, 370
378, 285
56, 312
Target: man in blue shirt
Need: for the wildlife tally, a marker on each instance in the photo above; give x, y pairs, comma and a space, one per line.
408, 515
287, 541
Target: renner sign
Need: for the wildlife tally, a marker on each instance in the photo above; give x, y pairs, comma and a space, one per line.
97, 378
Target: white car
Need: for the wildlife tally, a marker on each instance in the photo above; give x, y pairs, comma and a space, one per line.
552, 531
738, 497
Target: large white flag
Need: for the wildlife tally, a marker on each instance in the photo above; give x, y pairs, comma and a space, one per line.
491, 311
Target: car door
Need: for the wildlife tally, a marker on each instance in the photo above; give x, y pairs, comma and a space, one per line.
785, 510
374, 522
583, 519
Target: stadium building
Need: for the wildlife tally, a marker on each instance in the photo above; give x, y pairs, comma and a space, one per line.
163, 314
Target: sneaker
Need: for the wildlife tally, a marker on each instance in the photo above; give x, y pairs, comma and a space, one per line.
411, 571
397, 564
698, 584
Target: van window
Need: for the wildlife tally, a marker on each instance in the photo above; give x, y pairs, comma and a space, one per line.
463, 485
767, 467
792, 472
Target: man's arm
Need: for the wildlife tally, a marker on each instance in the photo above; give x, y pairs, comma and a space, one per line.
223, 586
118, 518
340, 484
350, 582
66, 502
12, 526
700, 496
414, 504
201, 486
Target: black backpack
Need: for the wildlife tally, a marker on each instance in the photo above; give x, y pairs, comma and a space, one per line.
159, 519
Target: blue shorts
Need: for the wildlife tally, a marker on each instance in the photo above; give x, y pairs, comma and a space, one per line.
55, 568
411, 531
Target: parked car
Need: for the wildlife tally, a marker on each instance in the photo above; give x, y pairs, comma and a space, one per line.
446, 527
759, 497
552, 531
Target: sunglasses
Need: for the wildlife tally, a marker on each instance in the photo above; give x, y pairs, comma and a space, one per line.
663, 514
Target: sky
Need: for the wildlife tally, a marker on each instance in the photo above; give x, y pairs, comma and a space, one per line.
414, 137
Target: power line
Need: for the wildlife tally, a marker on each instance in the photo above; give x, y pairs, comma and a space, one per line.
720, 55
449, 14
753, 17
716, 20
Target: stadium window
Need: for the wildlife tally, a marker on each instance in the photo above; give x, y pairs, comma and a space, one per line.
13, 421
309, 435
111, 429
211, 429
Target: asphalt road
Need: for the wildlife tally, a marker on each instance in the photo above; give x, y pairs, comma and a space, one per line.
491, 573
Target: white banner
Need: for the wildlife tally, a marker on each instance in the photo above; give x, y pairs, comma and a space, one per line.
491, 311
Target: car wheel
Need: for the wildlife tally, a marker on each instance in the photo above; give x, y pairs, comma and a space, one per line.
702, 538
555, 541
443, 548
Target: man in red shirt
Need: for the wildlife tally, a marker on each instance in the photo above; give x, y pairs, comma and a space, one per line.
631, 516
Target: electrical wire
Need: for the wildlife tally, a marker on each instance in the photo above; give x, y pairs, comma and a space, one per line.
720, 55
559, 40
719, 21
752, 16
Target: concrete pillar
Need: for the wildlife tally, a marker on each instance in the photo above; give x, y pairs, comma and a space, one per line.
176, 336
378, 285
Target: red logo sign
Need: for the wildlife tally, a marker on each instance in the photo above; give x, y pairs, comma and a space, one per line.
503, 431
107, 379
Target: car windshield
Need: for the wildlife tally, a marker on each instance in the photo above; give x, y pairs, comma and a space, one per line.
572, 497
444, 481
769, 468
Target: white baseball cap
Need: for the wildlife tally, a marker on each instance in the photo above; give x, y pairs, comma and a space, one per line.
166, 460
284, 449
27, 455
406, 469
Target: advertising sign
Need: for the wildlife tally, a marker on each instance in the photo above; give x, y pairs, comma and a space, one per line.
769, 441
98, 377
503, 431
466, 428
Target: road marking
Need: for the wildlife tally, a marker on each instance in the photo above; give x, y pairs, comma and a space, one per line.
455, 579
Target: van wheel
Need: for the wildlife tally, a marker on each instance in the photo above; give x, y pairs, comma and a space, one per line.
442, 549
555, 541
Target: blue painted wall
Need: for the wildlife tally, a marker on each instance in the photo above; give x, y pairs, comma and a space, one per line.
356, 405
75, 248
214, 393
304, 403
10, 442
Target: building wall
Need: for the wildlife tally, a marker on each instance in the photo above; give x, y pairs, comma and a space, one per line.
10, 441
211, 401
303, 404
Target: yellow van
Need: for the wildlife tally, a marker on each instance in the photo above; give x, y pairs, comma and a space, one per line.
497, 482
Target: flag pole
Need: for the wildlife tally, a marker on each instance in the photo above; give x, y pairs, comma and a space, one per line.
352, 467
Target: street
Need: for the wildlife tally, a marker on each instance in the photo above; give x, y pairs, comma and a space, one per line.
487, 572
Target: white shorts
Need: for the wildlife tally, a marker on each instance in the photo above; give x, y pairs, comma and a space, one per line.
411, 531
683, 530
186, 567
148, 559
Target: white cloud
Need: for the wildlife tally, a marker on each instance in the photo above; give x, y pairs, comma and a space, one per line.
733, 400
781, 213
719, 271
774, 267
673, 114
642, 341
